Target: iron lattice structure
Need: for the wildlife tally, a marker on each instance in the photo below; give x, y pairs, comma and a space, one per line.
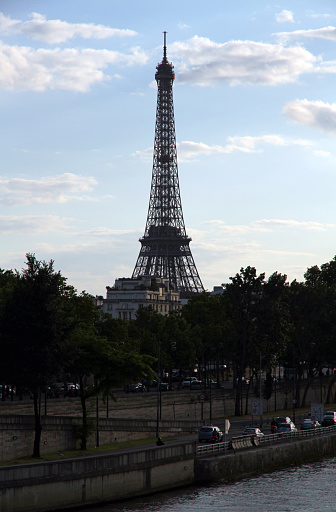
165, 250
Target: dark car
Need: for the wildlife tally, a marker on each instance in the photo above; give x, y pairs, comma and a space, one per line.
309, 424
196, 384
210, 434
134, 388
164, 386
276, 422
329, 419
286, 428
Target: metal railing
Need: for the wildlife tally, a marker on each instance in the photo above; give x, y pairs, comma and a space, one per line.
266, 439
213, 448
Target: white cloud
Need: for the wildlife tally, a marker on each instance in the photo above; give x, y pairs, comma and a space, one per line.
57, 31
322, 154
328, 33
246, 144
204, 62
325, 15
57, 189
71, 69
265, 225
316, 114
285, 16
306, 225
182, 26
16, 224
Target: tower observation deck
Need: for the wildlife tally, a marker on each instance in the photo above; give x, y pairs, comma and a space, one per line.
165, 250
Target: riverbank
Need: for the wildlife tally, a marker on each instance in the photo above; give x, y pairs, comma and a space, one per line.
83, 481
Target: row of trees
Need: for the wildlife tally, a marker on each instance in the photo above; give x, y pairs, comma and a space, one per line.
49, 332
255, 322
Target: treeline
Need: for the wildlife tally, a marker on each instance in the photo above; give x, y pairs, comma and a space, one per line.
50, 333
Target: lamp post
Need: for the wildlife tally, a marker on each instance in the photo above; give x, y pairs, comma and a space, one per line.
158, 397
260, 397
260, 388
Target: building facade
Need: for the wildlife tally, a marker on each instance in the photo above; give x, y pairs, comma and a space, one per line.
128, 295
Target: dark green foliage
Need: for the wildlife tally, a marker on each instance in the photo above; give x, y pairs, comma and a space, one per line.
267, 389
49, 333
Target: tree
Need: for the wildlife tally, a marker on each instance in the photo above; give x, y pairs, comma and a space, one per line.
208, 322
100, 347
242, 298
7, 285
31, 341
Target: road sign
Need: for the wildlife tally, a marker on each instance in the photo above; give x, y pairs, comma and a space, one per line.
256, 407
316, 411
227, 426
201, 397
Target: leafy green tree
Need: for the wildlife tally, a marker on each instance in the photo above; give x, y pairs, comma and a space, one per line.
242, 298
313, 313
208, 322
101, 347
7, 284
32, 337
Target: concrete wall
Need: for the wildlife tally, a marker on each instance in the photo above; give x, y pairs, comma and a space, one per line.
83, 481
17, 433
261, 459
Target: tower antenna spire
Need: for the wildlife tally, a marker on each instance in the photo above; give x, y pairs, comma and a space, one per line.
165, 46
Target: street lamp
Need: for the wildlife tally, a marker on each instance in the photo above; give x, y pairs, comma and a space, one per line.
158, 397
261, 403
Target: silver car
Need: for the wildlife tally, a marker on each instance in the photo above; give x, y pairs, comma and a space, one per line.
252, 431
210, 434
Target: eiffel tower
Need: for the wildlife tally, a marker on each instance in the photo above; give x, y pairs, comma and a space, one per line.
165, 250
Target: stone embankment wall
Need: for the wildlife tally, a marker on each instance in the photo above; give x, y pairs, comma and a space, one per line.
242, 463
17, 433
92, 480
84, 481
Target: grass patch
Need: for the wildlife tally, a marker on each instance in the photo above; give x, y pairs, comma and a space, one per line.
69, 454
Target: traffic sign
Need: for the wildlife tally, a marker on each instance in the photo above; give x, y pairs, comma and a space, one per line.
227, 426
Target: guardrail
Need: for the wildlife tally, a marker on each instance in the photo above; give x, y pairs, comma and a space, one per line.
250, 441
319, 431
213, 448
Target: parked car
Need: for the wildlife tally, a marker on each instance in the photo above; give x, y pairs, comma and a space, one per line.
164, 386
286, 428
196, 384
210, 434
252, 431
186, 383
276, 422
134, 388
309, 424
329, 419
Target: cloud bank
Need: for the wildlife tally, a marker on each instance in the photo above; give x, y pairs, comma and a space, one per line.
317, 114
58, 31
53, 189
205, 63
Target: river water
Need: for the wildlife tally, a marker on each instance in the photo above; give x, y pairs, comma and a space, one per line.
306, 488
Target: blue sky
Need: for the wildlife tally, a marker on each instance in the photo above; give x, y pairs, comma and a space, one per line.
255, 114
